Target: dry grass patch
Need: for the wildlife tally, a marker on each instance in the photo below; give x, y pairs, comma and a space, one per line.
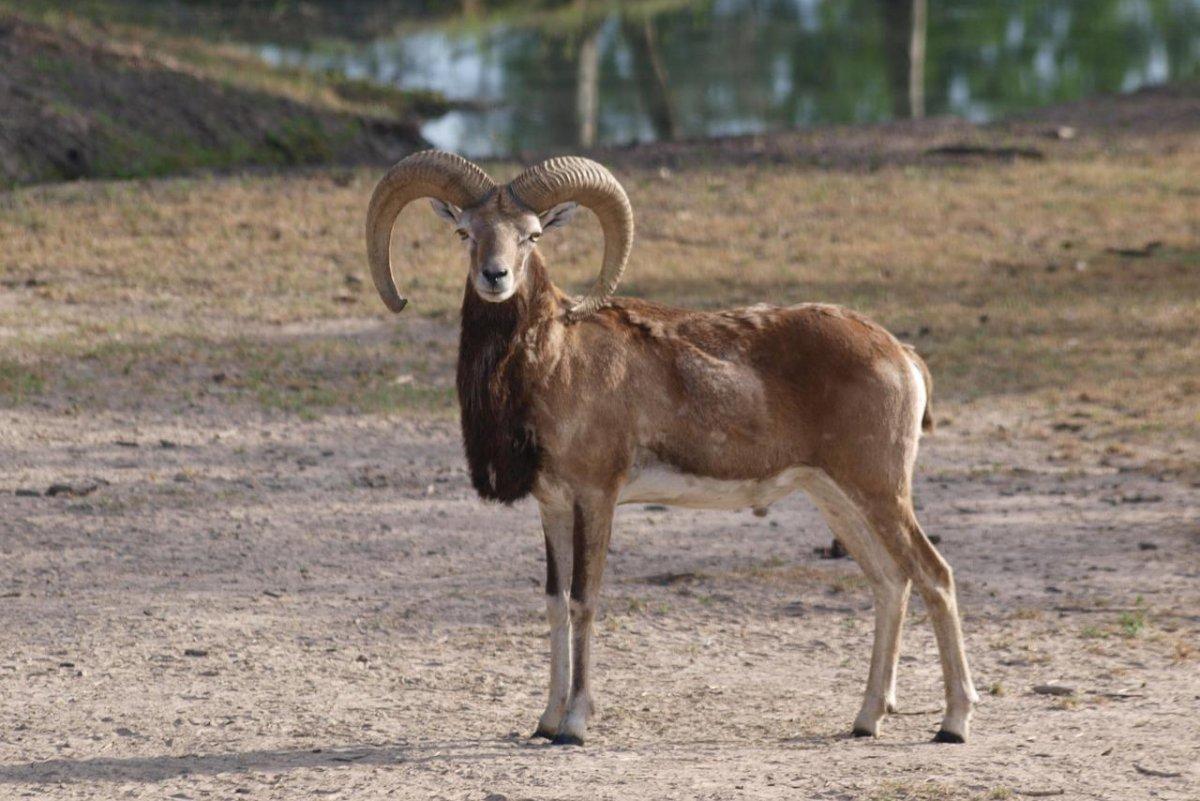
1015, 280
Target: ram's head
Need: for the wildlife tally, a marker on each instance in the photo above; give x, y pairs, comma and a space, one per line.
501, 224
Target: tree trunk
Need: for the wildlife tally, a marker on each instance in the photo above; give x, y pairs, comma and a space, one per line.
651, 75
904, 23
587, 87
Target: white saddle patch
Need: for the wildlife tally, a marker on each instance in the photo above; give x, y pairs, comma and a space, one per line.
657, 482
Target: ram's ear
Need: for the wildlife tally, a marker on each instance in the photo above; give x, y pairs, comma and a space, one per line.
447, 211
558, 216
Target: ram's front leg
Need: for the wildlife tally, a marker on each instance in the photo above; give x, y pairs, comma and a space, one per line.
558, 526
592, 528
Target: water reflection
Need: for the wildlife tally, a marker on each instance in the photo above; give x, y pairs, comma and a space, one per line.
588, 73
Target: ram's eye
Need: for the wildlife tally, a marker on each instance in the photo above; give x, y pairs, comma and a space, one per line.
463, 235
533, 238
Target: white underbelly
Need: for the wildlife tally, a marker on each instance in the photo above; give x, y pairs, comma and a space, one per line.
661, 483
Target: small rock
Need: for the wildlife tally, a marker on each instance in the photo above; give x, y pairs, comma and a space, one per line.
1132, 497
14, 283
71, 490
1136, 252
126, 443
1147, 546
195, 652
370, 479
122, 731
167, 444
1053, 689
654, 507
28, 493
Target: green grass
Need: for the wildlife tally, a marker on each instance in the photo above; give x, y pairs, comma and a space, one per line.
904, 790
19, 383
1132, 624
308, 377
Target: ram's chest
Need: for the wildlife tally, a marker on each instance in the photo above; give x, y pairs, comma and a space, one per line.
657, 482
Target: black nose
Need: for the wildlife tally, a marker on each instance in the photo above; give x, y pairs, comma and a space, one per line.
494, 274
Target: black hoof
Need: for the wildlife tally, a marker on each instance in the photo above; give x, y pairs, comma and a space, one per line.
545, 734
566, 739
835, 551
944, 736
863, 732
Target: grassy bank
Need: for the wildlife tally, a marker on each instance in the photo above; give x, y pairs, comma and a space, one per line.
1056, 296
88, 99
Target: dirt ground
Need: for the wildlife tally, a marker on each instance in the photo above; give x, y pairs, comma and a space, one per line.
260, 606
261, 572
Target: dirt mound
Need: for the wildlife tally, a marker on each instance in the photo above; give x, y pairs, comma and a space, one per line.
1155, 110
1162, 117
75, 109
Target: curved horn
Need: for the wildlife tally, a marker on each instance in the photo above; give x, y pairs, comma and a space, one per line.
584, 181
430, 173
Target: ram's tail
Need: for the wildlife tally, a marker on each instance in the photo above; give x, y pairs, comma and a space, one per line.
923, 369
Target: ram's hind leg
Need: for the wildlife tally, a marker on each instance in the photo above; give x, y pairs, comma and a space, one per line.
558, 526
890, 588
898, 531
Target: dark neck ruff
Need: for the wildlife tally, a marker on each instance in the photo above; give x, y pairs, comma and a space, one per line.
494, 392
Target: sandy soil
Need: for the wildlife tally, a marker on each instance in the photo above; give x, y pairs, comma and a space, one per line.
259, 606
